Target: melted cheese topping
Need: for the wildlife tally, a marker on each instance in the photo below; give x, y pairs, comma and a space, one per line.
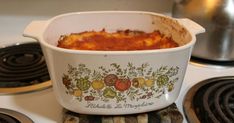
118, 41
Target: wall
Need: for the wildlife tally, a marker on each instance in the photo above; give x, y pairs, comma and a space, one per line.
54, 7
15, 15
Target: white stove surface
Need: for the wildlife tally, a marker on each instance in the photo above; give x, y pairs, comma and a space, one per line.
41, 106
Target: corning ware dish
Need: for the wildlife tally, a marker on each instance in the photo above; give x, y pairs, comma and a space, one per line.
115, 82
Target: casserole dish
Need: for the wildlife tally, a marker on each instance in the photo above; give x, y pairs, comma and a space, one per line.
115, 82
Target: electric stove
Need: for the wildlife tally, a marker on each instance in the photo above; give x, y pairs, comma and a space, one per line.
23, 69
211, 100
38, 103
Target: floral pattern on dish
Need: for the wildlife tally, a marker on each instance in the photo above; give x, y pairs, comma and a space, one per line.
118, 83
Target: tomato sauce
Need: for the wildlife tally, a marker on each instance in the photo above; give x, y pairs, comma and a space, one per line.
123, 40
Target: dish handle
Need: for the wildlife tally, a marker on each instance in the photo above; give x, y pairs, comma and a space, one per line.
35, 29
192, 27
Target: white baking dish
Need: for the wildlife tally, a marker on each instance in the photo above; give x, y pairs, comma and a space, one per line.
115, 82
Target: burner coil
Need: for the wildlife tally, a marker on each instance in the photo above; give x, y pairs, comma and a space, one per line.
22, 65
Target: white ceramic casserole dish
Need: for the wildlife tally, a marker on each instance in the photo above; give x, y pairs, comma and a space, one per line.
115, 82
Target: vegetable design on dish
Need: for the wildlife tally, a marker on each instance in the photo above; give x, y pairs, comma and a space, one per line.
122, 84
83, 84
119, 83
110, 79
97, 84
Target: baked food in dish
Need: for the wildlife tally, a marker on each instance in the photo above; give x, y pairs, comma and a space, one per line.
122, 40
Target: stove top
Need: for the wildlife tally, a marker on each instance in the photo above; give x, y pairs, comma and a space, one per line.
42, 106
22, 69
10, 116
170, 114
42, 100
211, 100
45, 99
210, 63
